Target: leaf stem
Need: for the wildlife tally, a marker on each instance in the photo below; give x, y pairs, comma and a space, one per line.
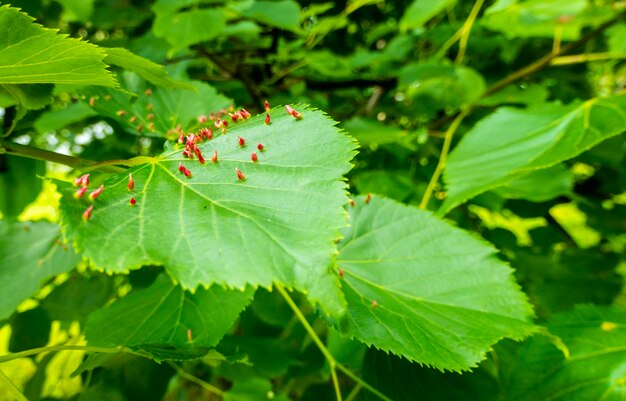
466, 29
441, 163
31, 152
208, 386
331, 360
54, 348
354, 393
15, 392
320, 345
583, 58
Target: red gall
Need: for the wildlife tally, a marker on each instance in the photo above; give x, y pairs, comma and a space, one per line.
368, 198
214, 157
80, 192
254, 157
181, 137
240, 175
148, 92
82, 181
133, 202
293, 112
245, 113
234, 117
131, 182
151, 127
87, 213
242, 142
267, 119
202, 119
199, 154
374, 303
267, 106
223, 131
187, 173
341, 273
351, 202
260, 147
121, 113
140, 128
150, 116
181, 168
96, 193
92, 101
132, 119
189, 335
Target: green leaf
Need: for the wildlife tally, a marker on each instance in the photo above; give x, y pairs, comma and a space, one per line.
168, 107
29, 254
401, 380
189, 27
31, 54
279, 225
283, 14
371, 133
441, 297
56, 119
540, 185
536, 138
77, 297
543, 18
77, 10
421, 11
19, 184
145, 68
441, 86
593, 370
157, 319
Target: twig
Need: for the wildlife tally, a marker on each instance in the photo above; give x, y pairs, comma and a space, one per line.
208, 386
466, 29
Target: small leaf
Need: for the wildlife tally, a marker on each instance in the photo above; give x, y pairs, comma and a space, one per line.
424, 290
19, 184
277, 225
189, 27
31, 54
145, 68
158, 319
169, 107
29, 254
512, 142
596, 365
421, 11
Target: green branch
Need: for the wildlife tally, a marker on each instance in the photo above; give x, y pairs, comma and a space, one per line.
77, 163
55, 348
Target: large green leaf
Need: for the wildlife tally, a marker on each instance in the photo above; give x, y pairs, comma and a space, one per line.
29, 254
283, 14
513, 142
441, 297
278, 225
31, 54
165, 108
158, 319
594, 369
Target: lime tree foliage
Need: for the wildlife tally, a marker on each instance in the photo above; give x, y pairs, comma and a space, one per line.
275, 199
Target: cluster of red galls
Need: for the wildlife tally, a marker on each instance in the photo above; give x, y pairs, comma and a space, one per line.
83, 183
192, 150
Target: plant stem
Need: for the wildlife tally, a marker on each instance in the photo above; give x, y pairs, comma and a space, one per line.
331, 360
208, 386
354, 393
31, 152
466, 29
583, 58
13, 390
54, 348
445, 149
320, 345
